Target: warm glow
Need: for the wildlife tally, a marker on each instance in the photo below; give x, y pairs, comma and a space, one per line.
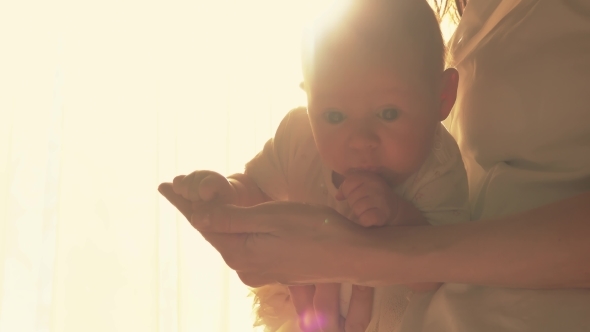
100, 101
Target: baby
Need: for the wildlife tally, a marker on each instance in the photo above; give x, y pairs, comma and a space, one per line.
369, 144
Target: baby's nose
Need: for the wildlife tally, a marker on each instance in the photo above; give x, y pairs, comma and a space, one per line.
364, 138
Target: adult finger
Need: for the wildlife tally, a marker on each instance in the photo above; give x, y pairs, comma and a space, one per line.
326, 305
233, 249
183, 205
360, 309
302, 299
230, 246
255, 279
252, 279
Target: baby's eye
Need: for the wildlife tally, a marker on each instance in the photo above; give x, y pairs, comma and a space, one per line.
389, 114
334, 117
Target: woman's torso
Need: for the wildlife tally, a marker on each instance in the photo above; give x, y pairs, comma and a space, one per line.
522, 121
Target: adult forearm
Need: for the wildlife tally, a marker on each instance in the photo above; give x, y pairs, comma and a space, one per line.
543, 248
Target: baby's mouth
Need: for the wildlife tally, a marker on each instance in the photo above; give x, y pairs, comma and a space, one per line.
372, 169
337, 179
383, 172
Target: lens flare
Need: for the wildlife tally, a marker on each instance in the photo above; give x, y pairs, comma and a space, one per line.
311, 321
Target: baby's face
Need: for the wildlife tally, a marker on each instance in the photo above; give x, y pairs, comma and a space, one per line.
371, 115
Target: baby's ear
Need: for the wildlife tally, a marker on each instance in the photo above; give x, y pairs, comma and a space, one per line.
448, 92
302, 86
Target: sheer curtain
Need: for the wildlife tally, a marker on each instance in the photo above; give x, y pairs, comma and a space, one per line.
100, 101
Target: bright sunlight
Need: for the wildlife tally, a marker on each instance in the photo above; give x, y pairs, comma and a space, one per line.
100, 101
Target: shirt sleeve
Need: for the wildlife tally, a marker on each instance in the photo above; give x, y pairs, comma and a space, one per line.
270, 168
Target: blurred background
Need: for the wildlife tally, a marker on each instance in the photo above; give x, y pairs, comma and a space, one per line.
100, 101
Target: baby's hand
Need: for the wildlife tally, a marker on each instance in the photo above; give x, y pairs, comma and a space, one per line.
371, 198
375, 203
204, 186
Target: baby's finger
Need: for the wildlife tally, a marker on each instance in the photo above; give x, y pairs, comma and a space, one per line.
357, 179
187, 185
339, 195
209, 188
359, 193
371, 180
372, 217
366, 203
349, 185
183, 205
177, 185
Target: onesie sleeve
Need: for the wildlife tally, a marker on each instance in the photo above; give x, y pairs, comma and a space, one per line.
441, 192
270, 168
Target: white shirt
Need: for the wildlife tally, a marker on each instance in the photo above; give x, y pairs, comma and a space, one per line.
522, 121
289, 168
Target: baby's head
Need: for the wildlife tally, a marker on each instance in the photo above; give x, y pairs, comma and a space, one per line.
377, 86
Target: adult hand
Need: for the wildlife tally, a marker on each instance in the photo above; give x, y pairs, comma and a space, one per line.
285, 242
205, 186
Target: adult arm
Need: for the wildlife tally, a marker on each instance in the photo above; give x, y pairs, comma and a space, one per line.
292, 243
543, 248
547, 247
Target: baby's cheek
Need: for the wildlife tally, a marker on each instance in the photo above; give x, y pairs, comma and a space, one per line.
405, 154
333, 158
331, 142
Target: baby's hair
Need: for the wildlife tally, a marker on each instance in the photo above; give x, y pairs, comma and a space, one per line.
381, 27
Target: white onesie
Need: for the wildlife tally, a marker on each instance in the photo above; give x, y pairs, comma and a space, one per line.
289, 168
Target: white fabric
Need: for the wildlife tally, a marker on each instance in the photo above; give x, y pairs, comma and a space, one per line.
522, 122
289, 168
